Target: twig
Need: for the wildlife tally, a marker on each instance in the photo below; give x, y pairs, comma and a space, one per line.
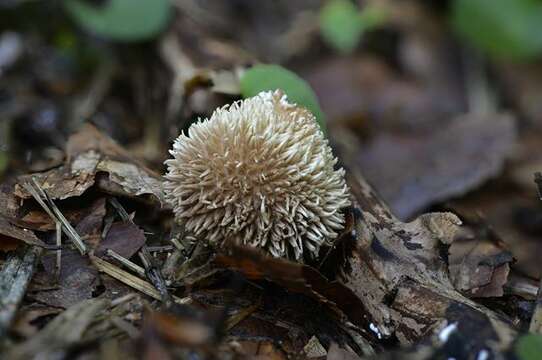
54, 212
130, 265
120, 209
14, 279
59, 251
123, 299
177, 244
107, 225
125, 326
131, 280
164, 248
154, 275
28, 187
522, 286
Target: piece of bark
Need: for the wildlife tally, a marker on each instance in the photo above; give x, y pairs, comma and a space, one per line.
399, 272
14, 279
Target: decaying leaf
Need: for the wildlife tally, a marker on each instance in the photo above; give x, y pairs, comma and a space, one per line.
125, 238
76, 282
479, 262
449, 162
9, 232
89, 152
300, 279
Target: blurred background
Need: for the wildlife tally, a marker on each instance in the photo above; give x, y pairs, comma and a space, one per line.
437, 102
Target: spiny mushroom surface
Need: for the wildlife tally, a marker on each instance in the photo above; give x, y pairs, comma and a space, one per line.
258, 172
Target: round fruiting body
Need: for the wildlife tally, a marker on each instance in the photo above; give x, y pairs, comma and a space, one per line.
258, 172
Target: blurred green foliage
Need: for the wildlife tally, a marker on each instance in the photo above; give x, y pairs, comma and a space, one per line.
121, 20
271, 77
529, 347
509, 29
342, 23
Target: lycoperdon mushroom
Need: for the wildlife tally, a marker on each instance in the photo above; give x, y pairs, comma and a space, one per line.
258, 172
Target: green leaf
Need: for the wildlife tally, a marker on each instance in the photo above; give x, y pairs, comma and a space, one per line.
341, 25
122, 20
529, 347
372, 16
507, 29
272, 77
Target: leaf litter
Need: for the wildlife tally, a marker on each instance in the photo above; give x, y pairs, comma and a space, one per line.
92, 264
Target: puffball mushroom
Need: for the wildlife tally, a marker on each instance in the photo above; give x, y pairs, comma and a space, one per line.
259, 172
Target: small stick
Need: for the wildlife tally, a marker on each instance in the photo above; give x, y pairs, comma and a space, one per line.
131, 280
154, 274
38, 198
59, 251
130, 265
107, 226
125, 326
70, 231
164, 248
38, 193
177, 244
120, 209
123, 299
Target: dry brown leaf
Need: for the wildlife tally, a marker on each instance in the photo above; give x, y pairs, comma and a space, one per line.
125, 238
76, 282
8, 232
298, 278
88, 153
479, 262
414, 170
